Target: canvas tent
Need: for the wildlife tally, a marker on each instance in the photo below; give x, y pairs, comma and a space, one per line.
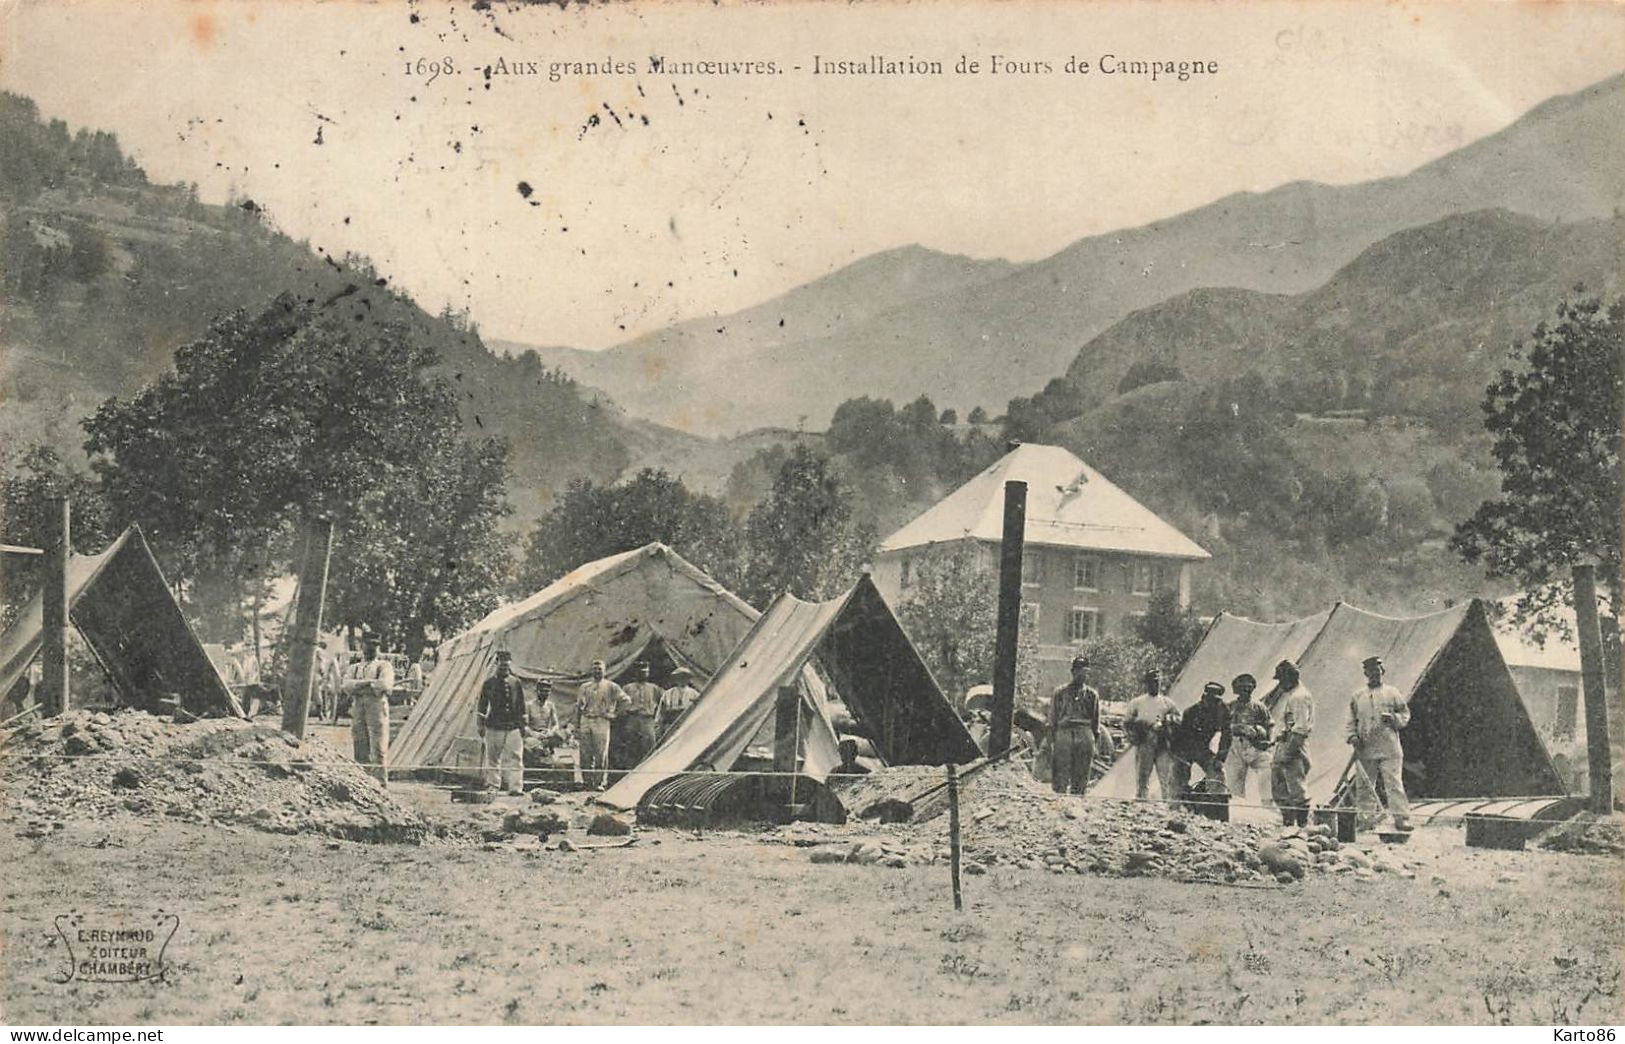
860, 648
1470, 734
122, 606
645, 603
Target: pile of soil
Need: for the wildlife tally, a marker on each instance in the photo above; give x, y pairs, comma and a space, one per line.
1007, 818
1586, 834
86, 765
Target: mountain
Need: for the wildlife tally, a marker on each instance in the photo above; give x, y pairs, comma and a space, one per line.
104, 275
989, 332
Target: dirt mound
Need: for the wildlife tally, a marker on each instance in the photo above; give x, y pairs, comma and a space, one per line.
1587, 834
87, 765
1007, 818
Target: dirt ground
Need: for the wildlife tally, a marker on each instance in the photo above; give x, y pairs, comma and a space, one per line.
727, 928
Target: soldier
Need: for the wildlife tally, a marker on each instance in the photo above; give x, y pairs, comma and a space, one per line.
501, 714
1193, 738
675, 701
1376, 714
638, 722
1291, 765
1149, 722
598, 702
367, 683
1247, 739
1074, 718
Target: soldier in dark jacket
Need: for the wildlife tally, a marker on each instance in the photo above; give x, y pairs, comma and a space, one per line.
1192, 741
1074, 719
502, 728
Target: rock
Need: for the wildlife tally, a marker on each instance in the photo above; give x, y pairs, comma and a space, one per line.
543, 796
1283, 877
126, 778
1178, 826
565, 845
101, 719
532, 821
1356, 858
975, 869
822, 855
868, 854
606, 825
1139, 859
1278, 859
896, 862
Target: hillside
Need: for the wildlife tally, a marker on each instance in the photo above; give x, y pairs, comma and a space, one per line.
105, 275
987, 334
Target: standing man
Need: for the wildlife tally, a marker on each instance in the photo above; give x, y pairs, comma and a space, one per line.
598, 702
1193, 738
1376, 714
675, 701
1291, 765
1247, 739
367, 683
1074, 718
642, 704
1149, 722
502, 728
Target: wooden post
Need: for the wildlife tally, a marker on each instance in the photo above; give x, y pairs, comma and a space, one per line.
307, 625
54, 696
953, 831
1007, 637
1599, 754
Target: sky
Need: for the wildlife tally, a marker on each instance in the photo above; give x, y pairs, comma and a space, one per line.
655, 197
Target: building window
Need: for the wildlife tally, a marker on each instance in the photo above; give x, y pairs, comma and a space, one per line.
1567, 711
1029, 616
1085, 573
1082, 624
1032, 567
1143, 578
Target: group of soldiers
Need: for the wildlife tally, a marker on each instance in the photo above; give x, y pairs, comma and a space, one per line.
615, 726
1233, 741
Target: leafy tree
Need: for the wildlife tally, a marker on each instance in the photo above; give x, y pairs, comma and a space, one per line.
951, 611
802, 538
1556, 428
25, 519
590, 521
977, 415
1118, 662
1173, 631
949, 417
301, 409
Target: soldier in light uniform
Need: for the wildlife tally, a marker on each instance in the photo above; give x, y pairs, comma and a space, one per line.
642, 704
367, 682
1248, 739
675, 701
1291, 765
1376, 714
598, 702
1074, 719
1149, 721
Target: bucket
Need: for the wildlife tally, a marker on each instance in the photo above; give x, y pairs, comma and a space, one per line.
1341, 820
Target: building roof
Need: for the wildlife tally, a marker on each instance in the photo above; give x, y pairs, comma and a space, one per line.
1069, 504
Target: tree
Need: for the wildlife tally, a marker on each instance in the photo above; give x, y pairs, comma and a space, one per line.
949, 417
590, 521
1117, 664
1555, 422
1173, 631
977, 415
301, 410
26, 504
951, 611
801, 537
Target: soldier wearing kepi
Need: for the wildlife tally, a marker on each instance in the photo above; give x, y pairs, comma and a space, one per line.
1247, 739
676, 701
598, 702
1193, 738
1149, 721
501, 714
367, 682
1376, 714
1074, 718
642, 704
1290, 767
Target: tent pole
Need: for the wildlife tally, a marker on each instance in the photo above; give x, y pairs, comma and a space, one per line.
1596, 699
1009, 625
54, 695
307, 625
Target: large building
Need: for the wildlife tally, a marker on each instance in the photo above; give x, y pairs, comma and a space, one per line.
1094, 555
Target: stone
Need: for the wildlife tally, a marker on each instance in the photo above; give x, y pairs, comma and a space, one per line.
533, 821
543, 796
606, 825
975, 869
822, 855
